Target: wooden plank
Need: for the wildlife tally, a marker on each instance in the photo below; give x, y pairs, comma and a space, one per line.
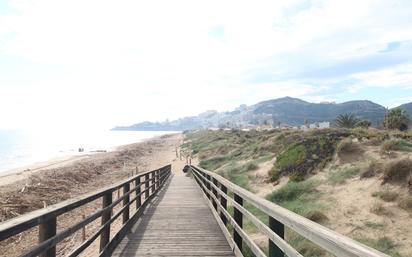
179, 223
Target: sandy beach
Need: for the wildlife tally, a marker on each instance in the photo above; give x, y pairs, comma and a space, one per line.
29, 188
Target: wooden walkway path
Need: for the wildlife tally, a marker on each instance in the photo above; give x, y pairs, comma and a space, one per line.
178, 223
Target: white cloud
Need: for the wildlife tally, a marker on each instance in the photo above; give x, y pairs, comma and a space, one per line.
398, 76
104, 63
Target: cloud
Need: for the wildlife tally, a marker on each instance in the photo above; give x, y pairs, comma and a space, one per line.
102, 63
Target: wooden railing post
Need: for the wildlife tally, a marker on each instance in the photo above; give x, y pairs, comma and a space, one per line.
223, 202
214, 181
208, 186
138, 191
238, 217
157, 179
105, 236
146, 187
152, 175
126, 200
46, 231
279, 229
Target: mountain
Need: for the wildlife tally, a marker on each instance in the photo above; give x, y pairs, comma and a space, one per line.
408, 108
295, 111
286, 110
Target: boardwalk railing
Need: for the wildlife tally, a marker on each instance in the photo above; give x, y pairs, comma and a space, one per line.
216, 189
144, 187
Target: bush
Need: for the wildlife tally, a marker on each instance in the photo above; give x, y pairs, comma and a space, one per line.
292, 191
396, 145
316, 216
386, 196
373, 168
405, 146
237, 176
251, 166
390, 145
347, 120
274, 174
314, 150
347, 146
297, 177
301, 198
341, 175
383, 244
406, 203
214, 162
380, 210
396, 119
304, 246
364, 124
397, 171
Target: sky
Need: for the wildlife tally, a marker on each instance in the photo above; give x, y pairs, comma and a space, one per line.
98, 64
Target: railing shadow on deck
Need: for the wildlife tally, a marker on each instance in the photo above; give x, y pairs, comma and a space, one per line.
46, 219
215, 189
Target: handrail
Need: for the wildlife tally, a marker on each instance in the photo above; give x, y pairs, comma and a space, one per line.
46, 218
215, 187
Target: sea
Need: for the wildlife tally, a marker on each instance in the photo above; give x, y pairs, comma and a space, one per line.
22, 148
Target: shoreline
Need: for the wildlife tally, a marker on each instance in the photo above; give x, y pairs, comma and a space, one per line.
77, 176
10, 176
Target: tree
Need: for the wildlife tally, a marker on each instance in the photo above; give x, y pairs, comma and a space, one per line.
347, 120
364, 124
396, 119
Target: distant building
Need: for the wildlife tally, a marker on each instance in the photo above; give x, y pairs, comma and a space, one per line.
313, 126
324, 125
317, 125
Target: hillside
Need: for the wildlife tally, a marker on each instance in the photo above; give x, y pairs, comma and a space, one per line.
356, 182
295, 111
407, 107
285, 110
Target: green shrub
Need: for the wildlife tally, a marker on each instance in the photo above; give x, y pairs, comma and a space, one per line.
396, 145
386, 196
292, 191
383, 244
390, 145
341, 175
213, 163
396, 119
364, 124
304, 246
292, 157
251, 166
301, 198
296, 177
274, 174
374, 225
405, 146
313, 149
347, 120
237, 176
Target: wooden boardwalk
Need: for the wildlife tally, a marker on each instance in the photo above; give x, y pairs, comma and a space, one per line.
178, 223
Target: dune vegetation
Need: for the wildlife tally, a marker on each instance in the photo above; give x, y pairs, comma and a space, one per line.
355, 181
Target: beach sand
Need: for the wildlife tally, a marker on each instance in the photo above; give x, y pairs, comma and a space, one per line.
43, 184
